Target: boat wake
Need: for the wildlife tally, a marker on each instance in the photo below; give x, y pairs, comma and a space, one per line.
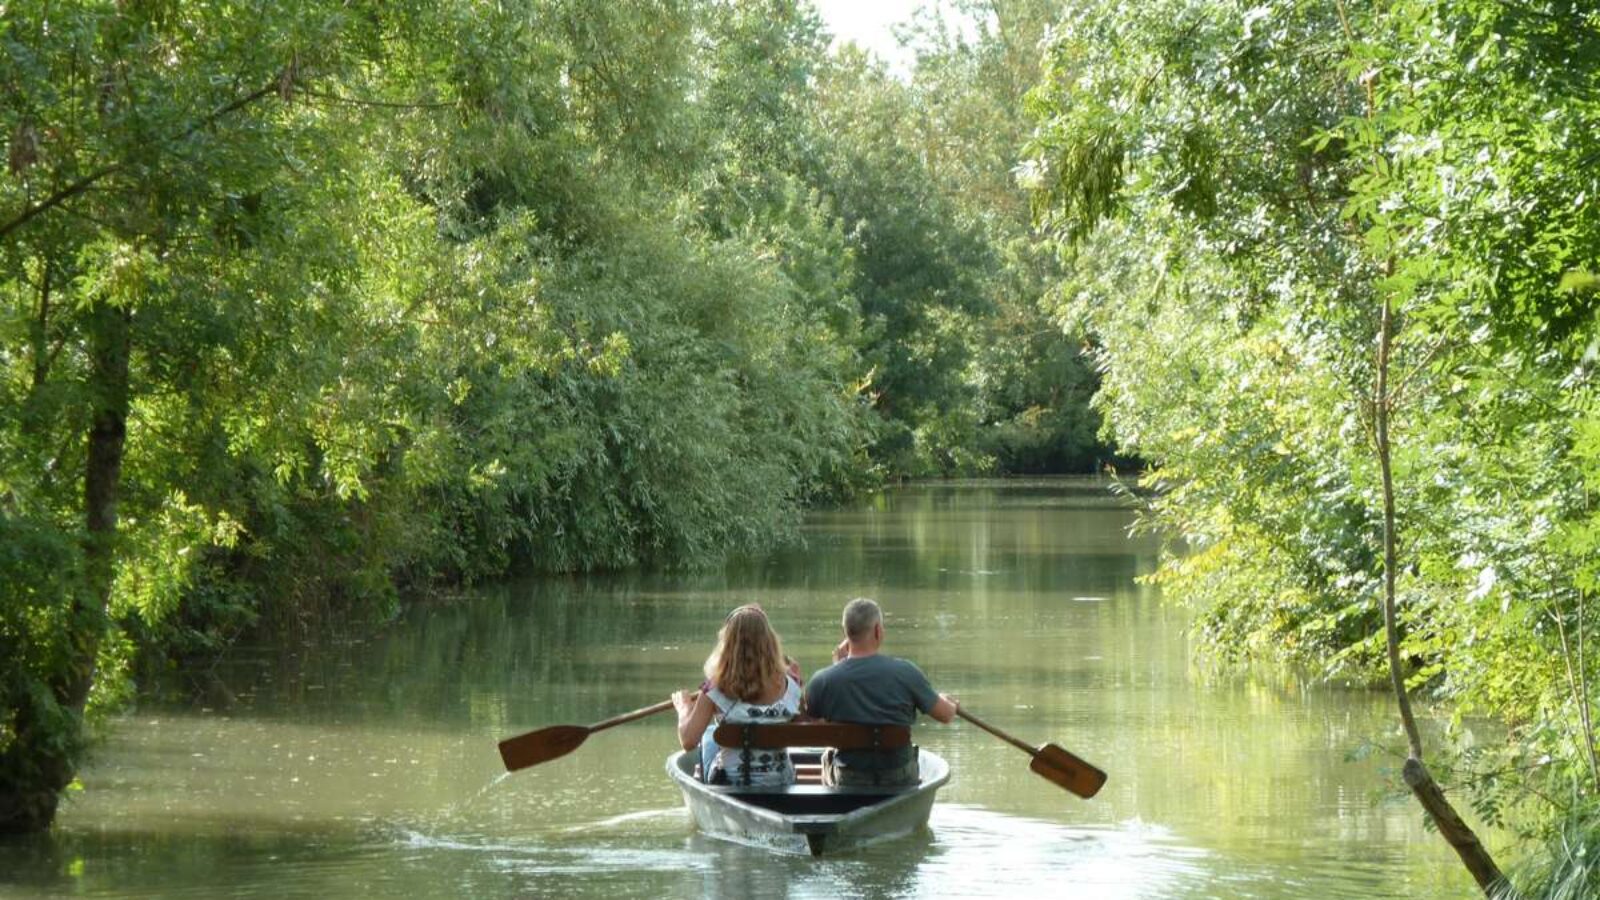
544, 858
646, 815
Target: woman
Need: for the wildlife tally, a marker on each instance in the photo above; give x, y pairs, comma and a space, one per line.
748, 679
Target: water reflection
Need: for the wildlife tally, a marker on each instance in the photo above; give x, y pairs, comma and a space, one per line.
368, 767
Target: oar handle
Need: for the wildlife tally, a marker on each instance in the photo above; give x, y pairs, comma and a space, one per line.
1031, 751
651, 710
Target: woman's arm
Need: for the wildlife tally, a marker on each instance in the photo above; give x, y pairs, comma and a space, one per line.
692, 717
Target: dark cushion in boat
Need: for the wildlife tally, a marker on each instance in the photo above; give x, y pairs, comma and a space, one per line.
841, 735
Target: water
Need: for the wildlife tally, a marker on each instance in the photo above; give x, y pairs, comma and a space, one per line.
369, 768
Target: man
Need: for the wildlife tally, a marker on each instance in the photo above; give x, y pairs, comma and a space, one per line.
866, 687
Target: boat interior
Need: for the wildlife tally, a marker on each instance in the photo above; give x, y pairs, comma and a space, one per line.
807, 796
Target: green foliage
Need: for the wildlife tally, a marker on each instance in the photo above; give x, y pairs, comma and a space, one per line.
37, 732
1238, 193
393, 312
303, 305
1568, 869
968, 372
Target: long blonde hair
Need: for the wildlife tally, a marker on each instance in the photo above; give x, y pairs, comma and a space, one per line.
748, 659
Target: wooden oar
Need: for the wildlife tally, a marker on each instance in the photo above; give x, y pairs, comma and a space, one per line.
546, 744
1051, 761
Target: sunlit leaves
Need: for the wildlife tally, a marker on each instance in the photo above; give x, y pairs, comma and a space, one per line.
1285, 168
409, 294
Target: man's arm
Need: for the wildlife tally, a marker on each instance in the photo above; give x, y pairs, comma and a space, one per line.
942, 707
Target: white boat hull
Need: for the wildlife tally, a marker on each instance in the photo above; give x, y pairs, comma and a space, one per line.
809, 818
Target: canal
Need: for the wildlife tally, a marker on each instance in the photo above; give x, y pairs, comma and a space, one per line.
366, 766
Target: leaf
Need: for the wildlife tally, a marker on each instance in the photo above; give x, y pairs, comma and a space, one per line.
1578, 281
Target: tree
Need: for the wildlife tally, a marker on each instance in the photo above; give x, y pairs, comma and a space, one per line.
306, 303
144, 210
1253, 202
1030, 382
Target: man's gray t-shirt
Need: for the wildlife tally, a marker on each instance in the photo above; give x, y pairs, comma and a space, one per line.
870, 690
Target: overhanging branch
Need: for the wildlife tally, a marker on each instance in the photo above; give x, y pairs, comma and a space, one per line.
275, 86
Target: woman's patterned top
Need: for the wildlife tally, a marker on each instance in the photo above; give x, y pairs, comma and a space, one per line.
767, 767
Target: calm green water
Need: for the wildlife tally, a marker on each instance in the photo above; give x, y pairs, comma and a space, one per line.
369, 769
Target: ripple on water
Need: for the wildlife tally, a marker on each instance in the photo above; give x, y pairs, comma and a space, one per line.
979, 852
968, 852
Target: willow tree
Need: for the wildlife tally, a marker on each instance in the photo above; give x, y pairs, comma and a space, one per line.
182, 248
304, 302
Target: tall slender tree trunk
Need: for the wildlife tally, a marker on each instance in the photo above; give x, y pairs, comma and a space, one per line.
40, 335
1428, 793
102, 477
49, 733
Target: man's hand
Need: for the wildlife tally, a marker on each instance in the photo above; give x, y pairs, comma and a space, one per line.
945, 710
842, 652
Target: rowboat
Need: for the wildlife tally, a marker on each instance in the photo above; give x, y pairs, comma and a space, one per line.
806, 813
808, 816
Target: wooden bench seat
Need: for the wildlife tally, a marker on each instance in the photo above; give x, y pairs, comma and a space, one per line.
839, 735
810, 736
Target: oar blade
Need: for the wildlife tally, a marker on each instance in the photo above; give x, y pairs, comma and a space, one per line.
1063, 768
541, 746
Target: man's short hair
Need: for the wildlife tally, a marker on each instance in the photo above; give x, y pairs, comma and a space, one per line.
860, 615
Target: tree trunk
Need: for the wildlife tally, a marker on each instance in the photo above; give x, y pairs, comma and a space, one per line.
48, 731
108, 348
41, 330
38, 764
1428, 793
1460, 836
